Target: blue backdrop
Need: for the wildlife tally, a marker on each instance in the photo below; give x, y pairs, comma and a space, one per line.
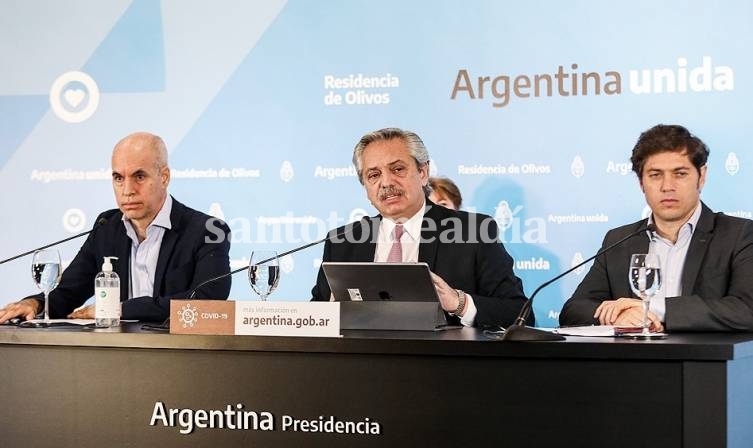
531, 108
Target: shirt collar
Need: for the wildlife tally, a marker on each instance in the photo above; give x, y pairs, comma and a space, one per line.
693, 221
690, 224
163, 216
412, 226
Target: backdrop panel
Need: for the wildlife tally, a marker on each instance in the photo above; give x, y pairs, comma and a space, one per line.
531, 108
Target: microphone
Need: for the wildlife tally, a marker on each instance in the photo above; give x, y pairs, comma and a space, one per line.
100, 221
292, 251
520, 332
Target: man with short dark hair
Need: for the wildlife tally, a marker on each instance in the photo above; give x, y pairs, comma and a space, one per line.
471, 270
164, 248
706, 258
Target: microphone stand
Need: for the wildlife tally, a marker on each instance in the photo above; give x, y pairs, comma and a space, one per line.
520, 332
192, 295
78, 235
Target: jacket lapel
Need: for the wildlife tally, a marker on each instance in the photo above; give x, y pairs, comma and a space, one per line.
168, 245
365, 251
639, 244
123, 264
697, 250
427, 250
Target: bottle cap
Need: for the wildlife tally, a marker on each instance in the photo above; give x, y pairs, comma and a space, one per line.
107, 266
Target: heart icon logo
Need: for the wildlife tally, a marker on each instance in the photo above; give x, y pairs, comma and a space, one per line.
74, 220
74, 97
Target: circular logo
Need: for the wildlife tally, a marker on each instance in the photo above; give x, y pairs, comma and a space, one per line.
577, 167
732, 164
74, 220
577, 259
286, 171
503, 215
74, 97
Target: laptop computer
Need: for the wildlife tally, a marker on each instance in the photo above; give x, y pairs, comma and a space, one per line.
384, 296
406, 282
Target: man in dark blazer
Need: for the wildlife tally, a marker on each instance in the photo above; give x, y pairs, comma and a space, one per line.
164, 248
471, 270
707, 267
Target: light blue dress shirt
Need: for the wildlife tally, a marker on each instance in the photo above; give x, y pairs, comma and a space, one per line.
144, 254
672, 259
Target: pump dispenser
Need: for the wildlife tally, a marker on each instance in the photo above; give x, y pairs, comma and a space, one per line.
107, 296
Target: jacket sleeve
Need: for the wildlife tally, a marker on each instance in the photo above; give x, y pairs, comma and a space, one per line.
594, 289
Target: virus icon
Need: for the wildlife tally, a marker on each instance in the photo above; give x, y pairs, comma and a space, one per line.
188, 315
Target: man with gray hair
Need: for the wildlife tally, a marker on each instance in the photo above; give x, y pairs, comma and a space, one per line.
164, 248
472, 272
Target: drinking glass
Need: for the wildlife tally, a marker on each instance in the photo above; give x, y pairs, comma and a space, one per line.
264, 272
644, 276
45, 270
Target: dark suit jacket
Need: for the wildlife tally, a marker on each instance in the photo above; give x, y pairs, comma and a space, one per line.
185, 260
717, 278
482, 269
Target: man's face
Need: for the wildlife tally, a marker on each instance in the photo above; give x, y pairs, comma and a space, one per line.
140, 187
394, 184
672, 186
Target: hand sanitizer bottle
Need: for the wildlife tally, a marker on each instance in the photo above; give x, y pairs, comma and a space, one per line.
107, 296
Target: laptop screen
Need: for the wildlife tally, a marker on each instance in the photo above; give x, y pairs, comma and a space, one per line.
407, 282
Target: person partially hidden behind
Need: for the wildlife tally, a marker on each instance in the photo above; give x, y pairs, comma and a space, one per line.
164, 248
444, 192
471, 271
706, 258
